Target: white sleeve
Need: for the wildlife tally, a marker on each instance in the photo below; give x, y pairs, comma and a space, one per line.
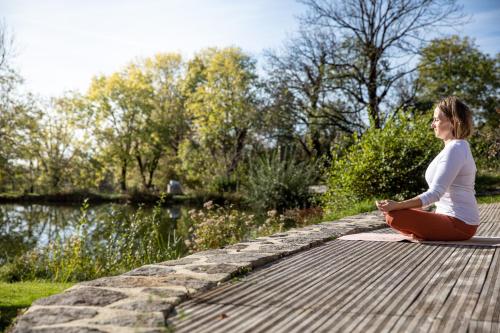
446, 171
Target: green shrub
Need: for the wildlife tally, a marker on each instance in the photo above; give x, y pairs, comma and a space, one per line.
485, 146
215, 226
221, 184
383, 163
276, 182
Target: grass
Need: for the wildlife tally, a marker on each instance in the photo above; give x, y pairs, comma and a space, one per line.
19, 295
487, 182
366, 205
486, 199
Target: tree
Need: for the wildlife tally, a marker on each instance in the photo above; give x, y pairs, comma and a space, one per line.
120, 104
140, 115
17, 116
6, 48
220, 85
374, 36
303, 93
53, 147
455, 66
166, 124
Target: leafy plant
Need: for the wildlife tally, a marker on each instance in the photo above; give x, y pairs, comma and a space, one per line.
279, 182
388, 162
216, 226
485, 145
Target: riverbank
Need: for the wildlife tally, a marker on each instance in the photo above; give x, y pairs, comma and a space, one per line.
487, 185
77, 197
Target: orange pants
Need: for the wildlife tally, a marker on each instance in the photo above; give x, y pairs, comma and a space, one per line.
425, 225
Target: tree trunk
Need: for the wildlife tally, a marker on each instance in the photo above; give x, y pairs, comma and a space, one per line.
123, 181
316, 142
373, 101
152, 168
240, 143
141, 170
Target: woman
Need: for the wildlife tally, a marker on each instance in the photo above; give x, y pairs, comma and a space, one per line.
450, 177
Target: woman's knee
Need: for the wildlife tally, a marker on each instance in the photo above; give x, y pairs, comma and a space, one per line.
401, 218
393, 217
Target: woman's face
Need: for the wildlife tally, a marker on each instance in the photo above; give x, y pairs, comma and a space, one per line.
442, 125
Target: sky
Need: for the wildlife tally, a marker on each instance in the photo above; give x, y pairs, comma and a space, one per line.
61, 44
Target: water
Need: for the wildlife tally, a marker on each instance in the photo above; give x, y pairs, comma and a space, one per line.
24, 227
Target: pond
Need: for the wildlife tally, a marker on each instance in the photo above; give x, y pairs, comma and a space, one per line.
105, 229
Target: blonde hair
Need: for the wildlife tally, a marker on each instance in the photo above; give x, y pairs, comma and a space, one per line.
459, 114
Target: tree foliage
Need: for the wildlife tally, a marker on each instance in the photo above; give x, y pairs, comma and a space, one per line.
166, 125
387, 162
220, 85
455, 66
139, 114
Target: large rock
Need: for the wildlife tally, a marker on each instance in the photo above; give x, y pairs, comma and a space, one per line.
164, 292
50, 316
58, 329
150, 271
214, 269
148, 305
84, 296
143, 319
174, 187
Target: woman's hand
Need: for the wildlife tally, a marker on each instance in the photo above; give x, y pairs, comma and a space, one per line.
387, 205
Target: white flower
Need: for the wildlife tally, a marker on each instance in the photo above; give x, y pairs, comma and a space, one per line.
272, 213
208, 204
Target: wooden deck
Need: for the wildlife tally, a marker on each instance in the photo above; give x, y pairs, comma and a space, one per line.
356, 286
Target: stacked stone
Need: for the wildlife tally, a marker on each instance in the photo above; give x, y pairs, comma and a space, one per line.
140, 301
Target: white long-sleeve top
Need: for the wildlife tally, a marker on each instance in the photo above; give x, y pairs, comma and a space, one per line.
451, 177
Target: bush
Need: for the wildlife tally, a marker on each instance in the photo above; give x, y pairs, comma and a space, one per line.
279, 183
215, 226
485, 146
383, 163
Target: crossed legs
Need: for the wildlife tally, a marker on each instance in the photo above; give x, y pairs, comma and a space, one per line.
425, 225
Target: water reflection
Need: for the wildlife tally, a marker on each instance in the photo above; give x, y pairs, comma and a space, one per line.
24, 227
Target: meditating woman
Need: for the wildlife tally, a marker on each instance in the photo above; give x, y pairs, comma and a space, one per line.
450, 177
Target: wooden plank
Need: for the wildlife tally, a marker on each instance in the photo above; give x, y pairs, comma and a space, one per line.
488, 304
465, 293
397, 298
258, 289
286, 277
342, 289
305, 299
288, 264
435, 292
476, 326
406, 324
188, 319
490, 220
450, 324
375, 293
